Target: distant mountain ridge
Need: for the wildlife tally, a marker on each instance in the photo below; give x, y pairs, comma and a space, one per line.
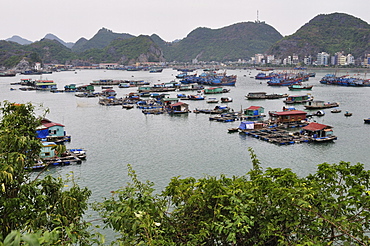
19, 40
324, 33
100, 40
329, 33
53, 37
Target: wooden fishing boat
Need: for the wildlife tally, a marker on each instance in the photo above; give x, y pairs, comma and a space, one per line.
347, 114
320, 105
127, 106
336, 110
264, 95
212, 100
226, 99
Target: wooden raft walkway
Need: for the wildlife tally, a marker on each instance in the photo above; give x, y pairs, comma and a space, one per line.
277, 136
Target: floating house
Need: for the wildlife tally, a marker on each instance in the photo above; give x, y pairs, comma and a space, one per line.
253, 112
47, 150
178, 108
51, 131
45, 85
319, 132
168, 101
87, 88
108, 93
70, 88
289, 116
292, 99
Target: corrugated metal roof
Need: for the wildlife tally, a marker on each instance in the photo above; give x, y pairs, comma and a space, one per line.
313, 126
178, 104
47, 125
290, 112
254, 107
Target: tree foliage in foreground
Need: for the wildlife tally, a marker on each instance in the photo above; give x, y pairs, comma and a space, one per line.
263, 207
272, 207
35, 210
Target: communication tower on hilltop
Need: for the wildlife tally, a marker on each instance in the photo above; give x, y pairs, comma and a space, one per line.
257, 21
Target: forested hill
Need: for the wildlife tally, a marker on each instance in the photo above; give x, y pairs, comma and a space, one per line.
238, 41
99, 41
126, 51
329, 33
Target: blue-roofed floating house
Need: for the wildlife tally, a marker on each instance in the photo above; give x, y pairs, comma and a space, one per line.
52, 132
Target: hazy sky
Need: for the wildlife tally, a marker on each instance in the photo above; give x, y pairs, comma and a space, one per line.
170, 19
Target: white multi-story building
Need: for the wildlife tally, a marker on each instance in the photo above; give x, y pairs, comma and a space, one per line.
259, 58
307, 60
350, 59
295, 60
322, 58
270, 59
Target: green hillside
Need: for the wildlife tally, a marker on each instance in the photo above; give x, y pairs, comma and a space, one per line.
329, 33
52, 51
238, 41
126, 51
100, 40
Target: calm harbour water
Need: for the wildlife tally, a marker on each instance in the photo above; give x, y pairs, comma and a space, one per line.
160, 147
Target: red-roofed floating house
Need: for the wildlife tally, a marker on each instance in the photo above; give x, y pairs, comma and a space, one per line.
319, 132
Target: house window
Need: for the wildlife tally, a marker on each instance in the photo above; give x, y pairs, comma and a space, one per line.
47, 153
52, 132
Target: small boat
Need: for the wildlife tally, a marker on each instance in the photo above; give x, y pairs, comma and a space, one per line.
231, 130
226, 99
367, 120
319, 113
181, 96
212, 100
127, 106
347, 114
336, 110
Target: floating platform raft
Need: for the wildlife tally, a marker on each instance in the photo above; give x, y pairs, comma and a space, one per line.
277, 136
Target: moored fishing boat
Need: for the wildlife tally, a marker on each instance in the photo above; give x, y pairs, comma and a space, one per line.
264, 95
345, 80
297, 87
320, 105
279, 81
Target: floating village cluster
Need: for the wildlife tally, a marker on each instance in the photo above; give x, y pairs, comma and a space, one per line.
154, 99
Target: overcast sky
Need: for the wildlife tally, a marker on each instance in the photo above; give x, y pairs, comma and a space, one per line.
170, 19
